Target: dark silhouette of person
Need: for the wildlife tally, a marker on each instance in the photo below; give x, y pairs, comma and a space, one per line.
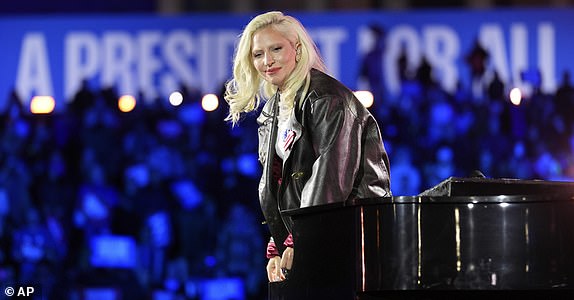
564, 100
476, 60
424, 74
372, 63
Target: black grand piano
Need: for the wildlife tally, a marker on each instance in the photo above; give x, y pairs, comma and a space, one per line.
466, 238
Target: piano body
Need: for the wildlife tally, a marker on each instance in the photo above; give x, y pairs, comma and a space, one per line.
466, 238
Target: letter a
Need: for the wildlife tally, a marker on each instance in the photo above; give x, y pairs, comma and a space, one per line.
33, 76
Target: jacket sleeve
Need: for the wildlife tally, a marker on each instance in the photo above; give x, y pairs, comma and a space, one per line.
336, 133
272, 250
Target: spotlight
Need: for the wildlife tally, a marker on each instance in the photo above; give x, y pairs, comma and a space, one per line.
209, 102
176, 98
515, 96
42, 104
126, 103
366, 97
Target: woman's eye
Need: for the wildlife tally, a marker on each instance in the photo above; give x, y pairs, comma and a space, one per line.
256, 55
277, 48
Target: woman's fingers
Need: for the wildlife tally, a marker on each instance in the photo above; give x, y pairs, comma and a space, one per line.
287, 259
274, 269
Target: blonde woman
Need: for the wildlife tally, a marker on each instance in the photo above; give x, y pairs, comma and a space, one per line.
317, 143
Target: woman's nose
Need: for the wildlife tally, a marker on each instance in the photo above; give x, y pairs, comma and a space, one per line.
269, 60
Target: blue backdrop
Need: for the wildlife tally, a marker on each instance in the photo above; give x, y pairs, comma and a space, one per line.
51, 55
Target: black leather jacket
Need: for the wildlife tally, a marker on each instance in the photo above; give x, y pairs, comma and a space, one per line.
338, 154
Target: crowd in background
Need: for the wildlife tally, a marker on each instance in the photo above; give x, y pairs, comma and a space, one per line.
432, 134
182, 183
177, 180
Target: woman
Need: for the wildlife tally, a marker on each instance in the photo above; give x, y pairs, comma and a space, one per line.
317, 143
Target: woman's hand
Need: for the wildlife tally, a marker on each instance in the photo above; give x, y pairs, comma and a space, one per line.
277, 266
274, 273
287, 259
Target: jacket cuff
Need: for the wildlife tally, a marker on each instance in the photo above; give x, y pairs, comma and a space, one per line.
288, 241
272, 249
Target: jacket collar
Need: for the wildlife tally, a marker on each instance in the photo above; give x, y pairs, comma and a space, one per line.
267, 111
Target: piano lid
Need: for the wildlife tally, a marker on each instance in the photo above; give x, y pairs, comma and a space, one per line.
480, 186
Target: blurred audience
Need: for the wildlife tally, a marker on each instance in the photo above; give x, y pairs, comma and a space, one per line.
96, 203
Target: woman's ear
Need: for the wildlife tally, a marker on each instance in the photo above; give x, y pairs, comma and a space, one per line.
297, 52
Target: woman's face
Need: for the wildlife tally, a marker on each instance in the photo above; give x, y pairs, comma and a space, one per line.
273, 56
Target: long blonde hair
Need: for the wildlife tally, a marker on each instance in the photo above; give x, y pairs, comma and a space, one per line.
247, 89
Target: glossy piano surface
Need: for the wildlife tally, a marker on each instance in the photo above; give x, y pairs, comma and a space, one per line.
422, 246
485, 243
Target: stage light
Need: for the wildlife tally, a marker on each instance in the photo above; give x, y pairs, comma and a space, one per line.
126, 103
42, 104
515, 96
176, 98
365, 97
209, 102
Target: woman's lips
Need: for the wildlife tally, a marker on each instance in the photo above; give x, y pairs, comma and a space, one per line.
272, 71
